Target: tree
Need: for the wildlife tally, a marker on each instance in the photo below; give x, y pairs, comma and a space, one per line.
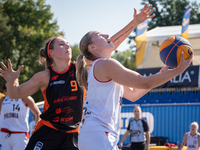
170, 12
126, 58
24, 26
75, 51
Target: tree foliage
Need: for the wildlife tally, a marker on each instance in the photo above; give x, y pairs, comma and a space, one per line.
24, 26
75, 51
170, 12
126, 58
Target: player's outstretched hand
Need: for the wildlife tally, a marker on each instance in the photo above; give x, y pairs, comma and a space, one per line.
8, 73
144, 14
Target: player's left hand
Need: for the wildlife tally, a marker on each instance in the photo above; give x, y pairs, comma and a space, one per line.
164, 69
144, 14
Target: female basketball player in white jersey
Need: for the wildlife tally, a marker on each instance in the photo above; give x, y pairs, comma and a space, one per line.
108, 81
14, 115
192, 138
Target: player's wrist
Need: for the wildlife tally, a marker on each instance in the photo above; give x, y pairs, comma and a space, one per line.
134, 22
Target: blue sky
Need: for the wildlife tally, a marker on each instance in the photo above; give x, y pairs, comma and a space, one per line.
76, 17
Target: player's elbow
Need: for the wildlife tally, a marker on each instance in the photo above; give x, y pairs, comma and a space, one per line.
145, 84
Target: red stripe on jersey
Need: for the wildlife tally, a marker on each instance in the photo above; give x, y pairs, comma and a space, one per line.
97, 79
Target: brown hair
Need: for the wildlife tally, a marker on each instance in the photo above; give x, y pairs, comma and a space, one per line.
81, 71
43, 55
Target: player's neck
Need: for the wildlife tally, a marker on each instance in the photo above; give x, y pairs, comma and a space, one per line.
193, 133
137, 118
60, 67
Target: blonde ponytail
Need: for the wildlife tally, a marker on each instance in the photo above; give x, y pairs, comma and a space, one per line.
81, 71
82, 66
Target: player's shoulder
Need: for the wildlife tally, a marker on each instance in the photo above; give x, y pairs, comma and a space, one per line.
2, 99
198, 135
131, 121
143, 121
42, 75
109, 60
187, 133
108, 63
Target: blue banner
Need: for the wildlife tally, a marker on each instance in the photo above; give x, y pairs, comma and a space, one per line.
140, 39
189, 78
186, 22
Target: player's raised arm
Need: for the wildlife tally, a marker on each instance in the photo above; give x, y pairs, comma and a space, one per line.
120, 36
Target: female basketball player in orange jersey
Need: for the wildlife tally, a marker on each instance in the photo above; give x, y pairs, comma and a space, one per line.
63, 97
108, 81
14, 115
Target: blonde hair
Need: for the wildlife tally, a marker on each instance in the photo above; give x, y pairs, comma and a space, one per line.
195, 123
138, 107
81, 71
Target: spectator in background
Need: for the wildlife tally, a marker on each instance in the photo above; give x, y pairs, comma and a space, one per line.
192, 138
14, 115
138, 130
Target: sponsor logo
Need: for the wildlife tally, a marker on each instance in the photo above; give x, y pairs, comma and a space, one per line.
67, 120
135, 133
55, 77
38, 146
185, 22
63, 120
71, 73
56, 119
184, 77
64, 99
189, 51
58, 110
57, 82
88, 113
67, 110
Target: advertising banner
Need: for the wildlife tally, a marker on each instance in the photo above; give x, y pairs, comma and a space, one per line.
189, 78
140, 39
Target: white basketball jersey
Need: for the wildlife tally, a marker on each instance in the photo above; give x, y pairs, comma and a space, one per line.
192, 142
14, 115
103, 104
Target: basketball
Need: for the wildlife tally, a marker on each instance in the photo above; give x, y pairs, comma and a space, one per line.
171, 48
